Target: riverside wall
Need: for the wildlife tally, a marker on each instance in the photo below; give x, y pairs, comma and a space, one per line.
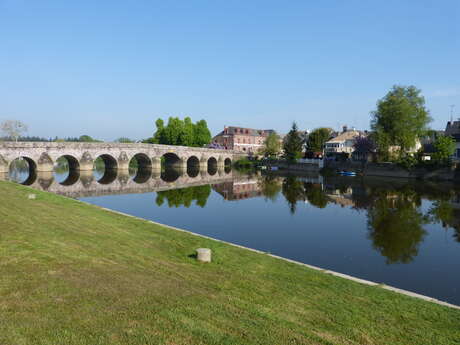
394, 170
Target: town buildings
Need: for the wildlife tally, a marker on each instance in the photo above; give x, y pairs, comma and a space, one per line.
242, 139
453, 130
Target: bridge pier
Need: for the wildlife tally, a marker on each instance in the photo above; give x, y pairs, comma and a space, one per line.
123, 162
86, 162
45, 163
156, 164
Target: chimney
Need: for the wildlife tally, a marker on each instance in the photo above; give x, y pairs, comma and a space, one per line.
345, 128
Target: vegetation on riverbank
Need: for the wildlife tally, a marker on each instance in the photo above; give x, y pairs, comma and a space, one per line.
71, 273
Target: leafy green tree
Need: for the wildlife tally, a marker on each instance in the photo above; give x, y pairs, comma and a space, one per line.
86, 139
124, 140
202, 135
272, 145
444, 148
400, 119
317, 138
187, 135
293, 144
173, 131
181, 132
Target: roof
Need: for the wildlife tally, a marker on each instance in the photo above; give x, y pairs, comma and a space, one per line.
246, 131
348, 135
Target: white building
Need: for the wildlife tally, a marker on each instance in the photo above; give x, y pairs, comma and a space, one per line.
343, 142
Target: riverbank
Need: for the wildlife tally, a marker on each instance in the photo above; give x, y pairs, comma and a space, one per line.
71, 273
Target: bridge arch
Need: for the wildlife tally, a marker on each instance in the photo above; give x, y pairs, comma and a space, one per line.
227, 161
212, 166
140, 167
193, 166
23, 170
171, 159
106, 166
69, 167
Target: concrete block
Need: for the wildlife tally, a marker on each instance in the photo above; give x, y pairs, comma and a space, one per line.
203, 254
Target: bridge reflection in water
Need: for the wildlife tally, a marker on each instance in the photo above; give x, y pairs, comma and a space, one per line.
78, 184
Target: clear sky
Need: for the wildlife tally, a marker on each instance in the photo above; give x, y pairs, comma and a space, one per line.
109, 68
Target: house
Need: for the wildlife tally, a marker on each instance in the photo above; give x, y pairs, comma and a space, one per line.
343, 142
242, 139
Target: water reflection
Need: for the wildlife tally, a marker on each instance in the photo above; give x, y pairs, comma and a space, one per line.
184, 196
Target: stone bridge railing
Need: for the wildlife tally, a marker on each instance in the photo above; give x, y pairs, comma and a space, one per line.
42, 156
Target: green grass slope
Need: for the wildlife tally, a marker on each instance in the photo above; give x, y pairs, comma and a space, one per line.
71, 273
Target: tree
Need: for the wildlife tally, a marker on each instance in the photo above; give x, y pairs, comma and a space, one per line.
202, 135
181, 132
317, 139
400, 119
187, 136
124, 140
86, 139
13, 128
444, 148
293, 144
272, 145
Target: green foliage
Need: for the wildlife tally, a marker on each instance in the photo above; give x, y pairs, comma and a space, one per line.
315, 195
272, 145
293, 191
86, 139
181, 132
293, 144
81, 139
396, 225
400, 119
407, 162
124, 140
202, 135
244, 164
270, 187
185, 196
445, 148
317, 138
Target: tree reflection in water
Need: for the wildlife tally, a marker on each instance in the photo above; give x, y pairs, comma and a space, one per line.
395, 223
184, 196
270, 187
395, 218
293, 191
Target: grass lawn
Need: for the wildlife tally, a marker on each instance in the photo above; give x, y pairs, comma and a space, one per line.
71, 273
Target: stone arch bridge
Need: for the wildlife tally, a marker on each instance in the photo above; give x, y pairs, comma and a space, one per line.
41, 156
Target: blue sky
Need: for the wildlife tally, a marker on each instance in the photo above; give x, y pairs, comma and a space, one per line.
110, 68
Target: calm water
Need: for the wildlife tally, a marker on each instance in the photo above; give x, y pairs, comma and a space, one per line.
401, 233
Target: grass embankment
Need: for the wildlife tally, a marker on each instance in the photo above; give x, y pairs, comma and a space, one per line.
71, 273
